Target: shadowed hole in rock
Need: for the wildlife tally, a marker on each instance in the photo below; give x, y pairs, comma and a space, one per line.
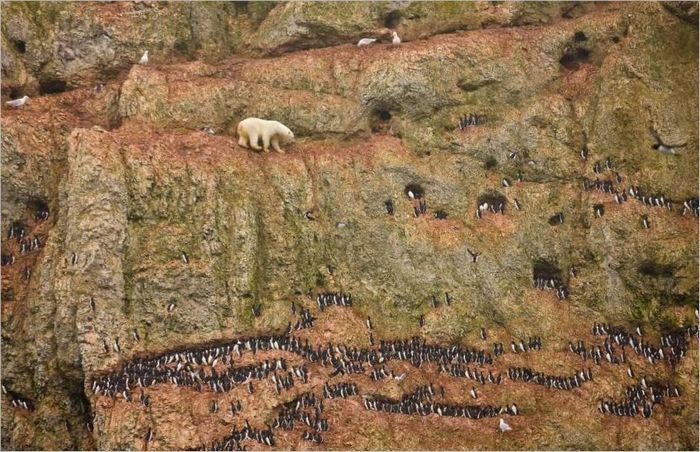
19, 45
417, 191
37, 206
52, 86
16, 93
493, 198
573, 58
392, 19
490, 163
379, 119
542, 268
656, 270
615, 39
580, 36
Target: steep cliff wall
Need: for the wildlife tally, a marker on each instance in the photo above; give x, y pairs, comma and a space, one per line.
116, 153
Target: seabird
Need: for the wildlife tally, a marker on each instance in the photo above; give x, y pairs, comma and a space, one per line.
503, 426
472, 392
482, 334
645, 222
171, 306
185, 259
16, 103
309, 215
144, 58
474, 255
365, 42
395, 40
369, 323
663, 147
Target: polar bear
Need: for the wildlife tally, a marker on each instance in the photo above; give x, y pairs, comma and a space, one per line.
250, 129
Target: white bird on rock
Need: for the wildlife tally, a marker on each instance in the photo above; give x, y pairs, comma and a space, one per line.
503, 426
144, 58
17, 102
395, 38
365, 42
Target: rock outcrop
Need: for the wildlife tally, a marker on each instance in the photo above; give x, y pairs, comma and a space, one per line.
117, 154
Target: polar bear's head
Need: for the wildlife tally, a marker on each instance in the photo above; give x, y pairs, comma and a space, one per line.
288, 136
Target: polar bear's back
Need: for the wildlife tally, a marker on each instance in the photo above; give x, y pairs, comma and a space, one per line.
256, 123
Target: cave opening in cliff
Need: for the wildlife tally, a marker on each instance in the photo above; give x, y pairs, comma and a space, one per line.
52, 86
493, 198
414, 191
580, 36
379, 119
573, 58
542, 268
392, 19
19, 45
656, 270
16, 93
38, 208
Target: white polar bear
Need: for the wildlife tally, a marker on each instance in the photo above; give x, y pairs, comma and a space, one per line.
250, 129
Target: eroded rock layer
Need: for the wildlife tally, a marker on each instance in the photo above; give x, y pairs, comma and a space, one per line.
489, 192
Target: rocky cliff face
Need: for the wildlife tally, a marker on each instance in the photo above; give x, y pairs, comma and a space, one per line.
116, 155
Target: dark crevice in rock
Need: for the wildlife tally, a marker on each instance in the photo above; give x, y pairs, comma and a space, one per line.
493, 198
392, 19
469, 86
573, 57
417, 191
379, 120
19, 45
542, 268
580, 36
52, 86
656, 270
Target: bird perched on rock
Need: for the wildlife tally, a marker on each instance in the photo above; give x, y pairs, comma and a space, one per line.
395, 40
144, 58
365, 42
17, 102
503, 426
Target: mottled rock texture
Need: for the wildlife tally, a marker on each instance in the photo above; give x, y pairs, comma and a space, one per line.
116, 152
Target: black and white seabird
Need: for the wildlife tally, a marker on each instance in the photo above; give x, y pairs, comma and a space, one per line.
474, 255
309, 215
662, 147
369, 323
184, 257
389, 205
645, 222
